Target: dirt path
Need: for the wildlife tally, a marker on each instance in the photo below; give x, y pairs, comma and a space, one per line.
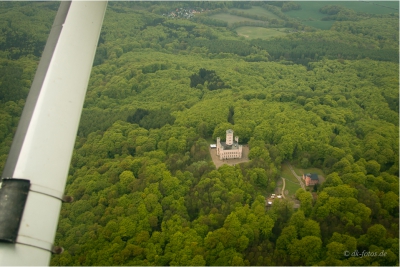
295, 175
283, 187
245, 35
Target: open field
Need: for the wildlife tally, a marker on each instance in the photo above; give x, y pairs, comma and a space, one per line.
259, 32
232, 18
255, 10
309, 13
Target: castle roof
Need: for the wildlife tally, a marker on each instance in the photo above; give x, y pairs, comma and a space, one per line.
234, 146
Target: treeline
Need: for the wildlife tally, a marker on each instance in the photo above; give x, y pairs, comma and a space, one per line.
249, 23
304, 51
278, 12
237, 47
210, 21
266, 22
340, 13
253, 16
384, 30
287, 6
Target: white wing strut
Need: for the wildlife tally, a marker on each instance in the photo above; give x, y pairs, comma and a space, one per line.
42, 147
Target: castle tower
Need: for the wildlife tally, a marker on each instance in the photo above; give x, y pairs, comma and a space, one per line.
229, 137
237, 139
218, 145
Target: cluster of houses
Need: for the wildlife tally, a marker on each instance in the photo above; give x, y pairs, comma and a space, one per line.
184, 12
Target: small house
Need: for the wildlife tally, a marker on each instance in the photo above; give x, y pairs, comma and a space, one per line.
310, 179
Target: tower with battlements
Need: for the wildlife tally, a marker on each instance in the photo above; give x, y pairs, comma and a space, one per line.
230, 149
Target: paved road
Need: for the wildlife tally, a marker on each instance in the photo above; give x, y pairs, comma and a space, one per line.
283, 187
298, 177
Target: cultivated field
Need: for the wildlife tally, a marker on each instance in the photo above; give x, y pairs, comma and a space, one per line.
259, 32
309, 13
257, 11
232, 18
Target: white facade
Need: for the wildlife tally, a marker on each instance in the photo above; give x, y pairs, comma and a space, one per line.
229, 149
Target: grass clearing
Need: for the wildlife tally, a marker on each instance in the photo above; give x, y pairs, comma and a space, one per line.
259, 11
259, 32
286, 173
291, 187
232, 18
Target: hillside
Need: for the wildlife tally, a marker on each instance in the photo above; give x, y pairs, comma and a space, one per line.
146, 190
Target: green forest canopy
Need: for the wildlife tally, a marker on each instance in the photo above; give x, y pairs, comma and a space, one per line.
146, 191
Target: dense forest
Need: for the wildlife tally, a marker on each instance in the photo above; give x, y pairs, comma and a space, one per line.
162, 88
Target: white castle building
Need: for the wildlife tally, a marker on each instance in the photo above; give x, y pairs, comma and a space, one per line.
229, 149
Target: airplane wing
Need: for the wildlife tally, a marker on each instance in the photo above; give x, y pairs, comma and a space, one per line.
41, 151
